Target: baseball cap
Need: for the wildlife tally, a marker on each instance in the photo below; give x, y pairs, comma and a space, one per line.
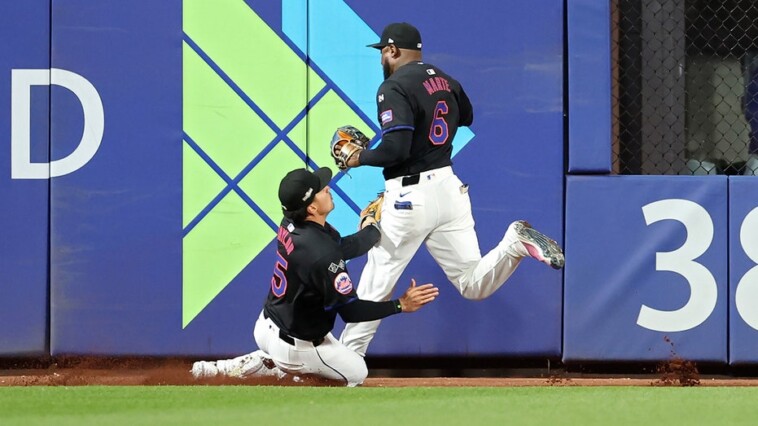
401, 34
299, 187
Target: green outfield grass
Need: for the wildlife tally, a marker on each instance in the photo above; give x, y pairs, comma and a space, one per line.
220, 405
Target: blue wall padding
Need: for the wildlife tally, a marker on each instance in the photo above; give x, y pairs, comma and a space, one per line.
743, 273
25, 35
611, 268
116, 223
589, 86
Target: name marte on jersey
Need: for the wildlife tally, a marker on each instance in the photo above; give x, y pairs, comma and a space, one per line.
435, 84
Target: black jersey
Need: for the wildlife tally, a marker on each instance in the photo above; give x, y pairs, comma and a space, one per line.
310, 280
422, 98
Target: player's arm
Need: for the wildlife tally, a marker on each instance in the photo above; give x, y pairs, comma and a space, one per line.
395, 148
339, 293
412, 300
330, 274
360, 243
465, 108
396, 119
358, 310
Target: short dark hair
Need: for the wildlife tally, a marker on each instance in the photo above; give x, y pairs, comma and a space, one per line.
298, 216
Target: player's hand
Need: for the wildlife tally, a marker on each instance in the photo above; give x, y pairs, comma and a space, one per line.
417, 296
368, 221
372, 213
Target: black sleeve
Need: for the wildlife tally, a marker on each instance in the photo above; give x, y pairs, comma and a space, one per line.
364, 310
359, 243
466, 110
395, 148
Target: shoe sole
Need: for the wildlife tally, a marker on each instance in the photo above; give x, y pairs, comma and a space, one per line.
540, 246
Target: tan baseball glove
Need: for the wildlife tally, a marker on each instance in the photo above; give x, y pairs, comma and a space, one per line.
372, 213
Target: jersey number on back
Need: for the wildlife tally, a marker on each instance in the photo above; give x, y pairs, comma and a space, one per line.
438, 132
279, 280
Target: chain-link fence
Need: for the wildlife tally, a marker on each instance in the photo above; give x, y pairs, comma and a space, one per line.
685, 86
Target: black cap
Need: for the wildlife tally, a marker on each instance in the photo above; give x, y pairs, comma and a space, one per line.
299, 187
401, 34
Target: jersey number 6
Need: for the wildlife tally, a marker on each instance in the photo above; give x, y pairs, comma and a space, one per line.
438, 132
279, 280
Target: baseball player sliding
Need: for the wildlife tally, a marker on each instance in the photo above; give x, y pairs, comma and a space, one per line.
310, 285
420, 108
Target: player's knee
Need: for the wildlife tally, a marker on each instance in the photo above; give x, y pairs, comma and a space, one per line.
357, 375
471, 292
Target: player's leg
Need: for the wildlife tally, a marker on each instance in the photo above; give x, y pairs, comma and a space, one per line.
331, 360
455, 246
253, 364
285, 357
403, 230
328, 359
257, 363
474, 278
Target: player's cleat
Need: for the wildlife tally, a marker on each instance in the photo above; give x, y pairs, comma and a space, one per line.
204, 369
243, 366
252, 364
538, 245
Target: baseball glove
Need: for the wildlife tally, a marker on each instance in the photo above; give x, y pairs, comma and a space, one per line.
372, 213
346, 142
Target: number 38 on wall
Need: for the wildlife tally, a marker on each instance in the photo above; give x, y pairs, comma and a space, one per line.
704, 294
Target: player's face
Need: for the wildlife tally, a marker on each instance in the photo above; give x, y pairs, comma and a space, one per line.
323, 201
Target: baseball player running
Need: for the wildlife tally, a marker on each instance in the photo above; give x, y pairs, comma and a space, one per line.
309, 287
420, 108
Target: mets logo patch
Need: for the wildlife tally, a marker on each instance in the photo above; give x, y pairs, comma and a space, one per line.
343, 284
386, 116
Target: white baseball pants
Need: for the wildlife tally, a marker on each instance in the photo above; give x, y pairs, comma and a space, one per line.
331, 359
437, 211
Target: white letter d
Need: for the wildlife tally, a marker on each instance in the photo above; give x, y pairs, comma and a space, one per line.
94, 122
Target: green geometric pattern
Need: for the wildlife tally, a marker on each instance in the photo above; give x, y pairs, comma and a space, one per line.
218, 119
242, 87
216, 251
262, 182
251, 54
201, 184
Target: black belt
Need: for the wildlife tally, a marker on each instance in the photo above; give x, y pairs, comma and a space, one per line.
290, 340
411, 180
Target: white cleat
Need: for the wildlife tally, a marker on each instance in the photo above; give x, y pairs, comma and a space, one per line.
243, 366
204, 369
250, 365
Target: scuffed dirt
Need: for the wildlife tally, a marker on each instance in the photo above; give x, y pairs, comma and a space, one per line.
163, 372
677, 371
